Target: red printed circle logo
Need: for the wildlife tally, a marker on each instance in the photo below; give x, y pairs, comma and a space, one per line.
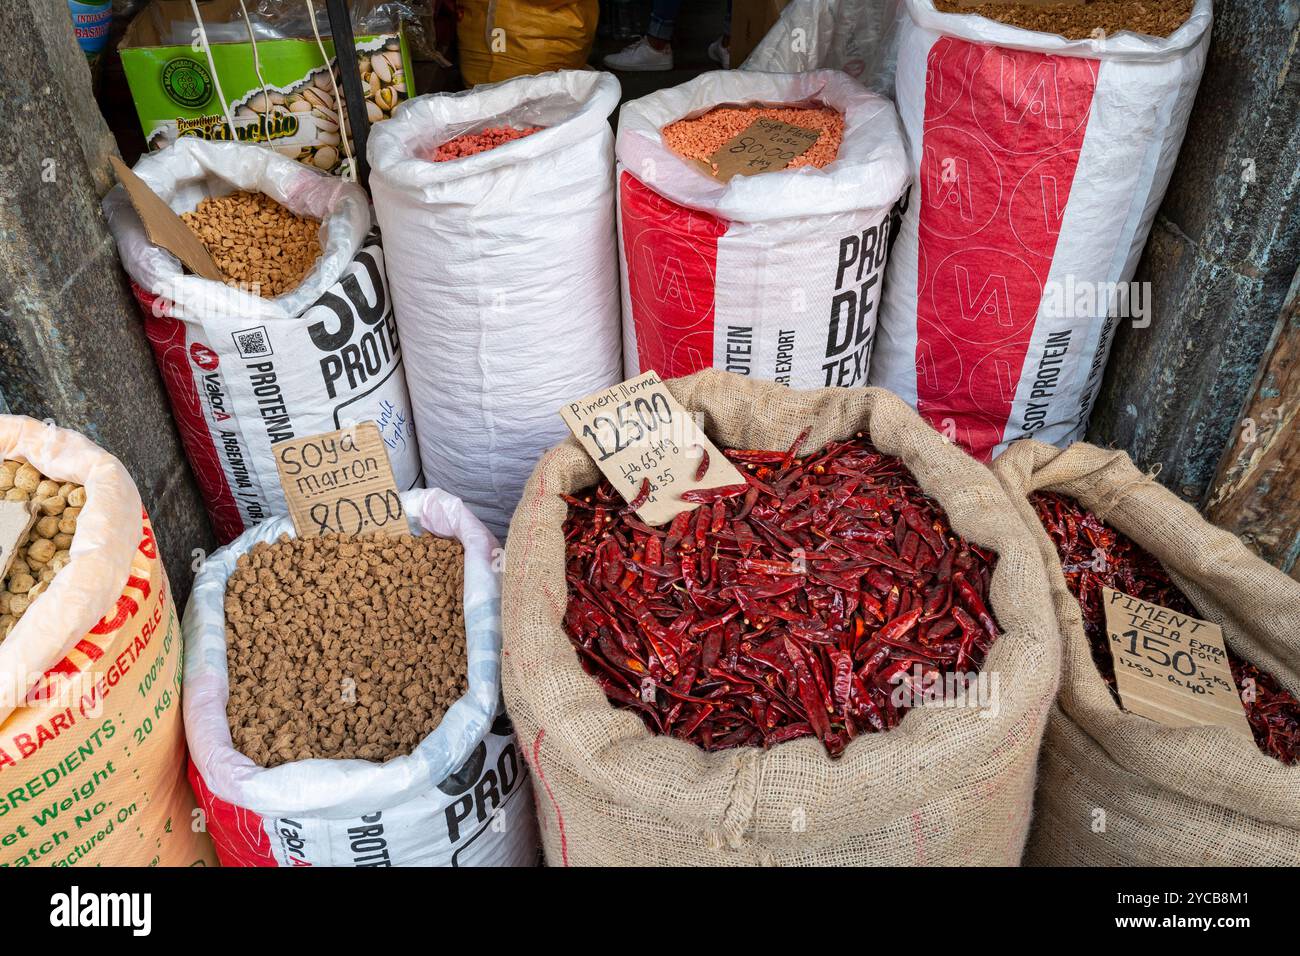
939, 365
204, 357
947, 67
1028, 102
985, 296
1038, 202
961, 185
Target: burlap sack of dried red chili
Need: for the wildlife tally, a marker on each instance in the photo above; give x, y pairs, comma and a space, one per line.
945, 786
1116, 788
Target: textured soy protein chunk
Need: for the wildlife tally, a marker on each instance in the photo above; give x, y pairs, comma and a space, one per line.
1157, 18
472, 143
343, 647
45, 552
700, 137
256, 242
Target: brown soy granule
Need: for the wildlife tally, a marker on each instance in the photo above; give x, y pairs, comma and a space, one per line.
343, 647
1157, 18
256, 242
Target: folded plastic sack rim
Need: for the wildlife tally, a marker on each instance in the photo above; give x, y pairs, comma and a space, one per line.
108, 535
335, 789
1124, 45
870, 172
422, 123
342, 207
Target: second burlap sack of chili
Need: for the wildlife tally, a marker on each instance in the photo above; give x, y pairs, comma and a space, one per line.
1116, 788
942, 785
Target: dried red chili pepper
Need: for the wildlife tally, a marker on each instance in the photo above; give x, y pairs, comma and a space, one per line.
1094, 554
642, 496
780, 608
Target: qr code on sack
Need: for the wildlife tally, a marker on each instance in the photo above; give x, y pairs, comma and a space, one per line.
252, 343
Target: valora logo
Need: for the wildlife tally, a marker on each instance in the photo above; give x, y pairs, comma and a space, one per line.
74, 908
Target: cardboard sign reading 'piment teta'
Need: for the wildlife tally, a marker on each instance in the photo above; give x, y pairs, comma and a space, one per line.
340, 482
1171, 667
16, 520
637, 431
765, 145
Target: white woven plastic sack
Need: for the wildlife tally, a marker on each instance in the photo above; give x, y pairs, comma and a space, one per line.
461, 798
856, 36
775, 275
503, 272
244, 372
1040, 163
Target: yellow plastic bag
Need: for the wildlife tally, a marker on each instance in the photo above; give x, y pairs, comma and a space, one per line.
501, 39
92, 744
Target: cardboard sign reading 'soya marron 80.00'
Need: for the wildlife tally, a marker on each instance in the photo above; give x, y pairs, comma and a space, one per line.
1171, 667
637, 431
340, 482
766, 145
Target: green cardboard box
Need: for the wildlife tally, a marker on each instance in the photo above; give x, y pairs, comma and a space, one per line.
176, 94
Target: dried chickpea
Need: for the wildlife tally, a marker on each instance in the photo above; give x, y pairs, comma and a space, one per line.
18, 603
7, 471
21, 583
47, 527
54, 506
27, 478
16, 494
40, 551
77, 497
46, 488
65, 489
60, 560
62, 541
68, 521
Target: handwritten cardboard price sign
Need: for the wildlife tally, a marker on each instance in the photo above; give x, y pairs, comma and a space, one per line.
340, 482
1171, 667
637, 431
764, 146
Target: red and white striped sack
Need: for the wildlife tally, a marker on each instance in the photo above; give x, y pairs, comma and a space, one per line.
776, 275
1040, 163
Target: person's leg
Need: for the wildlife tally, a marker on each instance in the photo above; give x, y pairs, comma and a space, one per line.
720, 49
653, 51
662, 16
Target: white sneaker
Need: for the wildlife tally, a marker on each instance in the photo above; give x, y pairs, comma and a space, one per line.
641, 57
719, 54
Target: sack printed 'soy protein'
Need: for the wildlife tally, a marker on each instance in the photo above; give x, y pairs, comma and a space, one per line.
1039, 166
245, 371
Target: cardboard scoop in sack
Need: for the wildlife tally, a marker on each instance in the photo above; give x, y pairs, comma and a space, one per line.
163, 227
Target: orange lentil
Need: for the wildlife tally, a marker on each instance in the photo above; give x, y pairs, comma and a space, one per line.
700, 138
472, 143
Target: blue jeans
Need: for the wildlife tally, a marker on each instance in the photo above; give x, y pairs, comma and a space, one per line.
664, 12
